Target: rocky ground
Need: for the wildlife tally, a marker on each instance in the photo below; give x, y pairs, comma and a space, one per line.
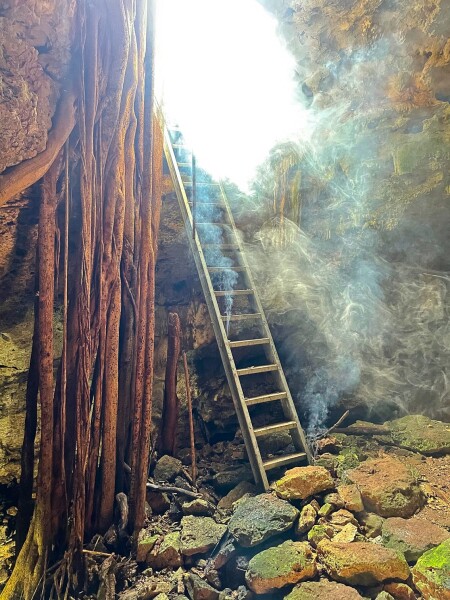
370, 519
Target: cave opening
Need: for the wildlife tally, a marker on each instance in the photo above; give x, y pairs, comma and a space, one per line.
224, 276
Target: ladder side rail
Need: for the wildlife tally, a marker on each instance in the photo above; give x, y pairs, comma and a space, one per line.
271, 353
218, 326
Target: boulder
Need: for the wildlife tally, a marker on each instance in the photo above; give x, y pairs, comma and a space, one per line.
159, 502
242, 488
335, 499
226, 480
167, 554
167, 468
361, 563
318, 533
302, 482
421, 434
199, 589
199, 534
323, 590
431, 574
326, 510
341, 518
351, 497
282, 565
413, 537
307, 519
384, 596
257, 519
388, 487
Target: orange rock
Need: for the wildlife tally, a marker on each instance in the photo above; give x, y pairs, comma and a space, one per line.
388, 487
302, 482
361, 563
400, 591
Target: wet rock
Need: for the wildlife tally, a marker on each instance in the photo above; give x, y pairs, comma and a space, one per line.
198, 507
242, 488
199, 534
257, 519
302, 482
307, 519
279, 566
371, 523
400, 591
199, 589
167, 468
431, 574
361, 563
388, 487
146, 541
319, 533
421, 434
323, 590
351, 497
413, 537
167, 554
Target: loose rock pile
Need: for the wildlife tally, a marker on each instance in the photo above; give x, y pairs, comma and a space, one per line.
350, 529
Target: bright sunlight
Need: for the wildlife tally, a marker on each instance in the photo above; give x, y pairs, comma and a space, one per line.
226, 79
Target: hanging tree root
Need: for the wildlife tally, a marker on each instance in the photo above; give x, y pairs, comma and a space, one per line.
17, 179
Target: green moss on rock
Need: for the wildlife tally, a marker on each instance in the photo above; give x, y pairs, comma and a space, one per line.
431, 574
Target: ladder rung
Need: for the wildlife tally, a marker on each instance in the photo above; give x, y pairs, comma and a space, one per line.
255, 342
240, 317
179, 146
255, 370
218, 269
234, 292
284, 460
222, 246
265, 398
184, 165
275, 428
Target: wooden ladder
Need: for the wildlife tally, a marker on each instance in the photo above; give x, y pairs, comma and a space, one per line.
214, 200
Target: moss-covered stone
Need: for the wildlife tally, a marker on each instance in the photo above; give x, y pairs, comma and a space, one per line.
431, 574
282, 565
199, 534
421, 434
257, 519
361, 563
412, 537
319, 533
167, 554
323, 590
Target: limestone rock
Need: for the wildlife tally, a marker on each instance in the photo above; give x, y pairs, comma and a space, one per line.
421, 434
335, 499
167, 554
323, 590
199, 534
307, 519
301, 482
431, 574
231, 477
242, 488
325, 510
384, 596
413, 537
361, 563
388, 487
400, 591
198, 507
279, 566
199, 589
351, 497
257, 519
341, 518
167, 468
